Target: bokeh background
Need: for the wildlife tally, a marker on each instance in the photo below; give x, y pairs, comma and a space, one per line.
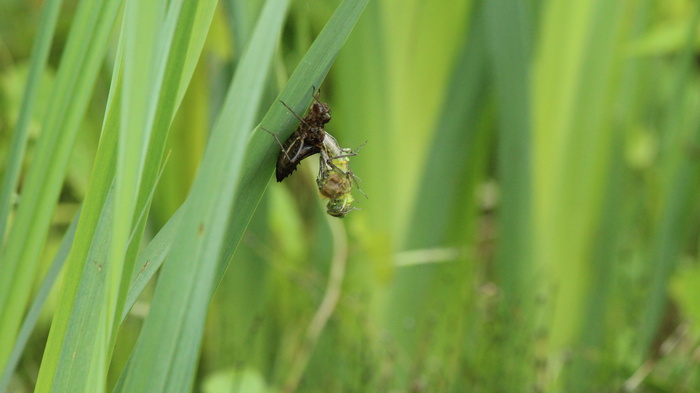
532, 172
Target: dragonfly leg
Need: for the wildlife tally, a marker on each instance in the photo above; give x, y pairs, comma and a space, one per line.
355, 179
278, 142
351, 153
294, 113
316, 93
298, 153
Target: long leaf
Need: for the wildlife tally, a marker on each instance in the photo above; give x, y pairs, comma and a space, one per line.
172, 333
509, 34
40, 53
79, 66
95, 314
34, 311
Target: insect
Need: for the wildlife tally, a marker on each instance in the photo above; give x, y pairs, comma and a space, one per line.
306, 140
310, 137
335, 177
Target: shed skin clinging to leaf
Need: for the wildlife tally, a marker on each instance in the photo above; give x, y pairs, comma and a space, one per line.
306, 140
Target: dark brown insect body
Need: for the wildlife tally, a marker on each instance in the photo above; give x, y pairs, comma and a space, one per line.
305, 141
335, 179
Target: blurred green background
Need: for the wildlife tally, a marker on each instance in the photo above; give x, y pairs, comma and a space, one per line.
532, 220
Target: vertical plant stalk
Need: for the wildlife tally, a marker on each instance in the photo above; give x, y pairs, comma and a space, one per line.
509, 37
325, 309
39, 56
667, 244
34, 311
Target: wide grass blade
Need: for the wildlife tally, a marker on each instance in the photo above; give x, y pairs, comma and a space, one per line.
98, 314
40, 53
575, 83
675, 222
509, 31
450, 177
73, 87
39, 301
575, 130
184, 31
59, 342
172, 333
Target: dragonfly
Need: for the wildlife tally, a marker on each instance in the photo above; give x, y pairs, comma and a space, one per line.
335, 179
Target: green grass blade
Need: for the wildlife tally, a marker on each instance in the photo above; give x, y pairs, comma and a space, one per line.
75, 372
450, 177
584, 371
172, 332
79, 66
34, 311
575, 84
82, 354
189, 34
173, 64
509, 33
150, 260
679, 198
453, 148
101, 181
40, 53
140, 36
185, 29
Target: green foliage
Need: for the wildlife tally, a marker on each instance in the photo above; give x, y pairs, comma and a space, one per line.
531, 222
